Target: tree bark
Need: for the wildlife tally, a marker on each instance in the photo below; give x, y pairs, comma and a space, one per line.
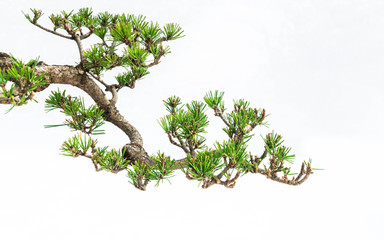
75, 76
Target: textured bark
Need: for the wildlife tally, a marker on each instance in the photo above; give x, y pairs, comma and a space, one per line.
75, 76
5, 61
134, 150
59, 74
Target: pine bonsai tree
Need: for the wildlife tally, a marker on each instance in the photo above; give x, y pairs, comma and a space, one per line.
133, 43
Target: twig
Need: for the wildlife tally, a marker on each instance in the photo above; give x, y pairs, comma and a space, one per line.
77, 39
114, 95
182, 143
304, 174
99, 80
82, 37
172, 141
53, 32
219, 112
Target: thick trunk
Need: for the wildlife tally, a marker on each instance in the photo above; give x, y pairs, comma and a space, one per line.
75, 76
71, 75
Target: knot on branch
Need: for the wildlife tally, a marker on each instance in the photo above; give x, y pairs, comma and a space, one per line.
3, 55
5, 60
134, 152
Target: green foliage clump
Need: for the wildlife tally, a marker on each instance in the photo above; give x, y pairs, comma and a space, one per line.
87, 120
228, 160
126, 41
142, 173
134, 44
19, 82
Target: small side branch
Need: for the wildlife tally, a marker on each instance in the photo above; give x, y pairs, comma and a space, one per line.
72, 36
95, 163
181, 163
219, 112
77, 39
229, 183
82, 37
182, 144
173, 141
113, 90
53, 32
302, 177
264, 154
97, 78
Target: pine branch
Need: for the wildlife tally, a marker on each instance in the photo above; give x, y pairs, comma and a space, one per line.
53, 32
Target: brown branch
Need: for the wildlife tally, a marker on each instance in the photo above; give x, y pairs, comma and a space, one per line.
77, 39
304, 173
95, 164
183, 145
82, 37
73, 36
77, 77
264, 154
98, 79
191, 148
221, 174
155, 62
229, 183
302, 177
173, 141
53, 32
219, 112
181, 163
157, 59
4, 100
74, 76
114, 98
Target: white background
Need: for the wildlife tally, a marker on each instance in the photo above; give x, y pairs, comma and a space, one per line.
316, 66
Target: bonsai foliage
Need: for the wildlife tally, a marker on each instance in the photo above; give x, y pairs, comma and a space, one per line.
134, 45
25, 81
